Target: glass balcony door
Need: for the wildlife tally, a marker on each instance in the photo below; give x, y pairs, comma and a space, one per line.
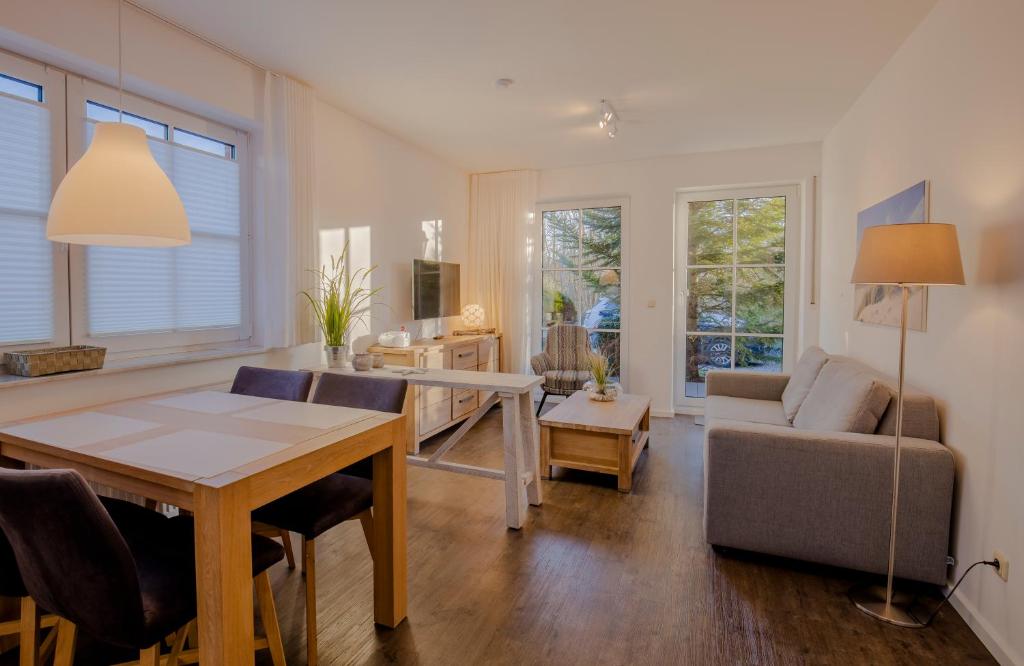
736, 260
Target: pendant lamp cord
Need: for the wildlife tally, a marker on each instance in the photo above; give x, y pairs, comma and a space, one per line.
120, 66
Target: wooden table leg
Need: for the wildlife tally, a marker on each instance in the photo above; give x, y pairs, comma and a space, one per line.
545, 452
390, 567
224, 575
530, 442
625, 463
515, 491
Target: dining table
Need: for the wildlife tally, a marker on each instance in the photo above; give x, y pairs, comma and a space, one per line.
221, 455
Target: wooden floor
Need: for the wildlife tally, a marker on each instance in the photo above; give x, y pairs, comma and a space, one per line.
595, 577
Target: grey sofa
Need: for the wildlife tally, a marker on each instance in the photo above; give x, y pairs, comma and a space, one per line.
801, 467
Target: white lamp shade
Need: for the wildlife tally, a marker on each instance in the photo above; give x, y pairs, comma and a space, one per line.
473, 316
117, 195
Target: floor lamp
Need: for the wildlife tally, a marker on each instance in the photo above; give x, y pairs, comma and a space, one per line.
904, 255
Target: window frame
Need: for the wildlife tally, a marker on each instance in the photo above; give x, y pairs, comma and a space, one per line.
52, 81
79, 92
536, 336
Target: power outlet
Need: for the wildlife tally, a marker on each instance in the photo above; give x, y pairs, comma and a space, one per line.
1003, 570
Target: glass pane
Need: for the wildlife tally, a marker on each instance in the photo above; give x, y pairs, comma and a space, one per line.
105, 114
761, 354
562, 297
561, 238
602, 236
709, 238
759, 300
205, 144
703, 354
601, 299
761, 230
19, 88
607, 344
709, 305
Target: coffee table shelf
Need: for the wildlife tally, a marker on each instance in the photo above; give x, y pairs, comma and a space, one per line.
604, 437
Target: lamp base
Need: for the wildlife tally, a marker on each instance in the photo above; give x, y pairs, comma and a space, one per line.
871, 600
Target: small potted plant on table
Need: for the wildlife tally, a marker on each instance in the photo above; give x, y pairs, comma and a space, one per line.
601, 387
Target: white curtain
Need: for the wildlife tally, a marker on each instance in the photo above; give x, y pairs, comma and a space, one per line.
501, 255
285, 236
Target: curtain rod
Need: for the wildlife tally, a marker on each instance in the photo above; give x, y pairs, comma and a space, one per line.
201, 38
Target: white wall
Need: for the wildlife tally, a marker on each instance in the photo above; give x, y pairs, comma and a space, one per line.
381, 190
651, 187
949, 107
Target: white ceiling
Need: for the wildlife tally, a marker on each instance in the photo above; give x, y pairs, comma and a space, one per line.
684, 75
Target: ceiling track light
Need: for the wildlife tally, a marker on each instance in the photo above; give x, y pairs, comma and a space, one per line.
608, 119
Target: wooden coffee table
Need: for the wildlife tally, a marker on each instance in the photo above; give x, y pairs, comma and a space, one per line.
605, 437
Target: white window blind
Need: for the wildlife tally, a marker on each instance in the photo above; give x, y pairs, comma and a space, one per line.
26, 257
194, 287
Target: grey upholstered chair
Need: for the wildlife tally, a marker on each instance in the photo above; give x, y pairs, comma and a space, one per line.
345, 495
565, 361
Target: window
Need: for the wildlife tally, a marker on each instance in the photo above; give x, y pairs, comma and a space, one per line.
581, 273
145, 298
125, 299
33, 272
735, 286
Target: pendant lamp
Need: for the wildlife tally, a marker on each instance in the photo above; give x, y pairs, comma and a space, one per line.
117, 194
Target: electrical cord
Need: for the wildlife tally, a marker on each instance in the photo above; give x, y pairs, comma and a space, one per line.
991, 563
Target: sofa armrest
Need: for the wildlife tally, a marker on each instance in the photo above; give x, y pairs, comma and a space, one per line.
827, 497
752, 385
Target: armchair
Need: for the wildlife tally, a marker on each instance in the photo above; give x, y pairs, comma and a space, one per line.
565, 362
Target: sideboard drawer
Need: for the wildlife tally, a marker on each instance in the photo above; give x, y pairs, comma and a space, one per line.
428, 395
463, 403
434, 416
464, 358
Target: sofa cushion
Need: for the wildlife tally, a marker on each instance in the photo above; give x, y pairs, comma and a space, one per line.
920, 416
744, 409
800, 382
844, 398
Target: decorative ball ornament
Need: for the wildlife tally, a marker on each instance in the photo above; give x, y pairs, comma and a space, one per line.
473, 316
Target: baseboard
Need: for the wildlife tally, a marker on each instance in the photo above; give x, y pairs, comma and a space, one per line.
689, 411
663, 413
983, 630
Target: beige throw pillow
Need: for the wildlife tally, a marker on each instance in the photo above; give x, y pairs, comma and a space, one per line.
800, 382
844, 398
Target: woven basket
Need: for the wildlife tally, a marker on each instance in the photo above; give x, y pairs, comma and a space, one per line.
37, 362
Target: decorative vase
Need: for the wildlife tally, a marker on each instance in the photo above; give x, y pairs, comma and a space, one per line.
337, 357
603, 392
362, 362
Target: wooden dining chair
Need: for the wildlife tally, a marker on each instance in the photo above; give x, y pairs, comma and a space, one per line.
345, 495
129, 584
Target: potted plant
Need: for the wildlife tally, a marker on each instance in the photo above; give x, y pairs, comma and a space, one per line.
341, 299
601, 387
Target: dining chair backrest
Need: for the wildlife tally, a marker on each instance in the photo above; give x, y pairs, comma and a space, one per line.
11, 584
277, 384
378, 393
73, 559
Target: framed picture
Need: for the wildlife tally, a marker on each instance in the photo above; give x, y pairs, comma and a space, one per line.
881, 304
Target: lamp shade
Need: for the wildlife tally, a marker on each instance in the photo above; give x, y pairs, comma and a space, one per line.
117, 194
473, 316
912, 254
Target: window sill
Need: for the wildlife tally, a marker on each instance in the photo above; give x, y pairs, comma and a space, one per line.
133, 364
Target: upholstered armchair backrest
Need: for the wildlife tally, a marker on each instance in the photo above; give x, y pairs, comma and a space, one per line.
269, 383
568, 347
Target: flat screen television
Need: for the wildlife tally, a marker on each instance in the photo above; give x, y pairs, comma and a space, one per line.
435, 289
